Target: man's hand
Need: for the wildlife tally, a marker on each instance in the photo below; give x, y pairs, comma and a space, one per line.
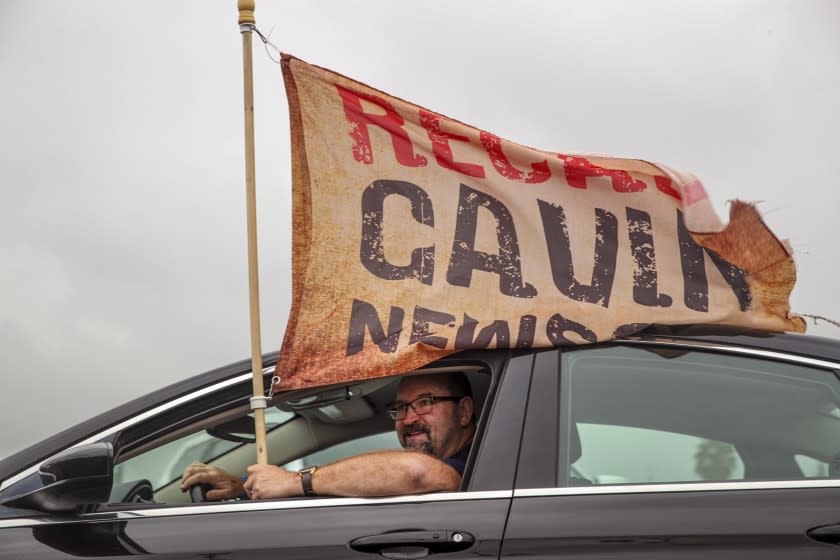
268, 481
225, 486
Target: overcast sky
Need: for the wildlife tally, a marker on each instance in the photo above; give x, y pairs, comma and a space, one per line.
122, 215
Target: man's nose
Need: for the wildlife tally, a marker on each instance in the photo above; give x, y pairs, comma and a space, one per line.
410, 415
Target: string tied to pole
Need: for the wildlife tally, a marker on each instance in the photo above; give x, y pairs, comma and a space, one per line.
272, 50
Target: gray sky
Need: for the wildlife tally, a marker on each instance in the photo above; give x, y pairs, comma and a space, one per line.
122, 215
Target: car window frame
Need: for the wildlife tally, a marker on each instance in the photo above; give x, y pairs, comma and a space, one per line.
538, 468
496, 363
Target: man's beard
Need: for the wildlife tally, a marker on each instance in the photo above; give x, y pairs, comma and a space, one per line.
424, 446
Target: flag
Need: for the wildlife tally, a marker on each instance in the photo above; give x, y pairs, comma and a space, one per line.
415, 236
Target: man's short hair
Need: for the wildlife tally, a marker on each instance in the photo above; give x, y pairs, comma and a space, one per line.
458, 384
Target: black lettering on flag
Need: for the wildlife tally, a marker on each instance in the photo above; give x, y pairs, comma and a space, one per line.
736, 278
694, 272
645, 289
363, 316
629, 329
420, 331
466, 339
560, 254
693, 261
558, 326
465, 258
371, 250
527, 330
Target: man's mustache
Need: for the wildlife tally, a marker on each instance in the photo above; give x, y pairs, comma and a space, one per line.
414, 427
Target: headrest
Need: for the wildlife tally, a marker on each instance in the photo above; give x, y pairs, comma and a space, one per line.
575, 450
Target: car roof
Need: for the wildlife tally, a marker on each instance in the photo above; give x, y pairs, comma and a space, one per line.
789, 343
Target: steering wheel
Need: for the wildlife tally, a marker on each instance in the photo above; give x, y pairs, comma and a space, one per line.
133, 491
198, 492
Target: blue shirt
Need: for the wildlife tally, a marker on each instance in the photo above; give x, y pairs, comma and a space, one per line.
459, 460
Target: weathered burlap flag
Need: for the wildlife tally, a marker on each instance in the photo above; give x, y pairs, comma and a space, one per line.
416, 235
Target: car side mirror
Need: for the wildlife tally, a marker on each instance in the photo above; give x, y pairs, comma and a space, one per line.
75, 477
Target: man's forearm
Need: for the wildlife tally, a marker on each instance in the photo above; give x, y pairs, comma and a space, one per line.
380, 473
385, 473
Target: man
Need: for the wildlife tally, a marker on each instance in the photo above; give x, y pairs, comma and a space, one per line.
435, 425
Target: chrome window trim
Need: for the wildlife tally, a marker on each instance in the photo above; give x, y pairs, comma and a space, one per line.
246, 506
722, 347
676, 487
134, 420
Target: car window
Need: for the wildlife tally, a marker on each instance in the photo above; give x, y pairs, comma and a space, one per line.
165, 464
625, 454
305, 428
635, 416
385, 440
811, 467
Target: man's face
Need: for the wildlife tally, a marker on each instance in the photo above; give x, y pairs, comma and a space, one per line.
441, 431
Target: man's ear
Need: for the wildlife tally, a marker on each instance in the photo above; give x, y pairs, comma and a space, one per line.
465, 411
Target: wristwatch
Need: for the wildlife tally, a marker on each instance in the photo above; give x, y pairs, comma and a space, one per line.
306, 480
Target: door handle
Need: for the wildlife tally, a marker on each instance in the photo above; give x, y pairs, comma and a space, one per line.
827, 534
413, 544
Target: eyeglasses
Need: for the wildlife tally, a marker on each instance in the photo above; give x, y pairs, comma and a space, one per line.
420, 406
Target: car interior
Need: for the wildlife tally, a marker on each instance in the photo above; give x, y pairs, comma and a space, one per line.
303, 427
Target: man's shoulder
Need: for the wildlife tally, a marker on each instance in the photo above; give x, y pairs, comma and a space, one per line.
458, 461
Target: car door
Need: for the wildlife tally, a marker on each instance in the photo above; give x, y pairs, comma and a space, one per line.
678, 450
452, 525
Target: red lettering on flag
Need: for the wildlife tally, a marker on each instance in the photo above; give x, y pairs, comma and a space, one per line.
577, 169
664, 184
391, 122
694, 192
442, 150
493, 145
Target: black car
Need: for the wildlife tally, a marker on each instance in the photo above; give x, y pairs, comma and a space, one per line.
678, 443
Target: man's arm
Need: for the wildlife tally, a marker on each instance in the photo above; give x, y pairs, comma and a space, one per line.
379, 473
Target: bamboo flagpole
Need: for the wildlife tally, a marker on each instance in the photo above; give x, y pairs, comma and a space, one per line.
258, 401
